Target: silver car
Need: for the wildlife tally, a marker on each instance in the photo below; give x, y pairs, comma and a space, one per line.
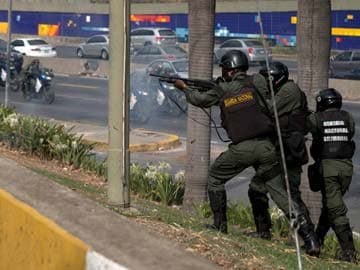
152, 36
95, 46
149, 53
343, 64
253, 49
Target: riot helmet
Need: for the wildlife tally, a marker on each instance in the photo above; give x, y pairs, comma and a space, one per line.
279, 74
234, 59
328, 98
35, 62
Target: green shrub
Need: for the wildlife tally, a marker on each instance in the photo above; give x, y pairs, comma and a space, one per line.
47, 140
203, 209
240, 214
280, 224
156, 183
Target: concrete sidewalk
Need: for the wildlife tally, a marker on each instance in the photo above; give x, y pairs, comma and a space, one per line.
116, 237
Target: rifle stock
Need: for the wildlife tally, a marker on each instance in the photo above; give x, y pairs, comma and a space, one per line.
201, 85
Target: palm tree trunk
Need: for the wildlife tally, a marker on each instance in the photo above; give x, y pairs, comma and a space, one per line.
201, 45
313, 46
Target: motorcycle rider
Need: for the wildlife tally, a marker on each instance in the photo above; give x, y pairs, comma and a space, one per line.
32, 72
333, 148
250, 129
292, 110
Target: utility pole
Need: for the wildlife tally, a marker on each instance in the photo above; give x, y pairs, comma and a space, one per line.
8, 48
118, 120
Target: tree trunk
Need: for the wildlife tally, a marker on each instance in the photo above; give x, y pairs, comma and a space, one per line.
201, 45
313, 46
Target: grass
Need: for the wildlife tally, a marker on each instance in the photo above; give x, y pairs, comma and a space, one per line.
232, 251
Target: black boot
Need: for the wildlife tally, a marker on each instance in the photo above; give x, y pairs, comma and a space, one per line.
260, 209
346, 241
323, 227
218, 206
306, 232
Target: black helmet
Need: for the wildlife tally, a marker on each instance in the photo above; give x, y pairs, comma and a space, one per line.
278, 71
234, 59
328, 98
35, 62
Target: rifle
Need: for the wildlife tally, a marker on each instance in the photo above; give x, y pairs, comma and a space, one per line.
201, 85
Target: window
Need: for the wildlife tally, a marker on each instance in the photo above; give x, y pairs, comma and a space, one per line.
96, 39
17, 43
135, 32
166, 32
37, 42
182, 66
147, 33
142, 32
174, 50
356, 56
144, 50
251, 43
154, 50
91, 40
167, 69
343, 56
231, 44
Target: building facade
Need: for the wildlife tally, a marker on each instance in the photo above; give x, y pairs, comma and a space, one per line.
234, 18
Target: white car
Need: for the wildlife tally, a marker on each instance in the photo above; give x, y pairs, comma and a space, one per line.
36, 47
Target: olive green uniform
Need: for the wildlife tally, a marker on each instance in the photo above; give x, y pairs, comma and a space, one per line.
259, 153
337, 175
288, 98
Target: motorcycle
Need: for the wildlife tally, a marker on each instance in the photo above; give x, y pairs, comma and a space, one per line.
14, 81
174, 102
147, 96
143, 103
40, 88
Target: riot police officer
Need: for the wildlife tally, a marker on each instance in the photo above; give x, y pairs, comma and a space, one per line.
333, 148
292, 110
250, 128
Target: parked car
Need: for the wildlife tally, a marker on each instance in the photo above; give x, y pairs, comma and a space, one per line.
345, 64
152, 36
15, 57
95, 46
353, 74
253, 49
35, 47
149, 53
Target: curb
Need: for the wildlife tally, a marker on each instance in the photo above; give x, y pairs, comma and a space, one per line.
170, 142
20, 249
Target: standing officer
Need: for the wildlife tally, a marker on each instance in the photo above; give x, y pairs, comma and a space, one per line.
333, 148
292, 110
248, 125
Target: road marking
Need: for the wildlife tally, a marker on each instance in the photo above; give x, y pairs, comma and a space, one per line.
77, 85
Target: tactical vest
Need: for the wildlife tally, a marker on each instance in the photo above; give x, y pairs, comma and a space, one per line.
242, 116
295, 120
335, 140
